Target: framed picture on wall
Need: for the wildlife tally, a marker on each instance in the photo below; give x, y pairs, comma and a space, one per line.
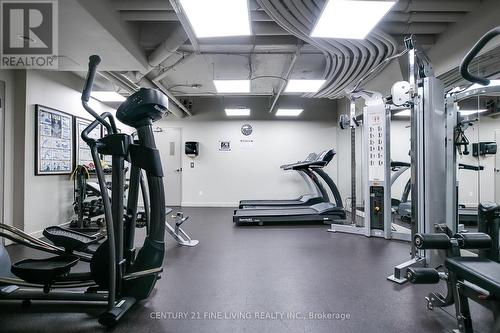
53, 141
83, 155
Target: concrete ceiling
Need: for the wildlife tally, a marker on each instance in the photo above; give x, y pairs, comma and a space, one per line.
268, 51
82, 33
126, 33
427, 19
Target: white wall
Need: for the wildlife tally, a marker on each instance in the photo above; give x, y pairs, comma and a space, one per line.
224, 178
48, 199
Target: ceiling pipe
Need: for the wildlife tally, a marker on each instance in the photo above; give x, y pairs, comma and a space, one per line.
175, 110
162, 52
168, 47
135, 80
436, 6
186, 25
126, 5
171, 16
285, 82
437, 17
178, 109
268, 29
145, 82
115, 81
346, 60
130, 88
174, 99
165, 72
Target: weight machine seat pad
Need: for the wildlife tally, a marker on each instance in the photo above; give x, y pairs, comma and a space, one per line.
484, 273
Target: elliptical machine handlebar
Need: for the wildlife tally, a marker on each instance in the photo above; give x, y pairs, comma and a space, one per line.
481, 43
86, 132
94, 61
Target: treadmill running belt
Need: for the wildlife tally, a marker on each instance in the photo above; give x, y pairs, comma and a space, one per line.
326, 214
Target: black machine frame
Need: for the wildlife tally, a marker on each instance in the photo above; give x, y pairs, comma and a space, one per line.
119, 274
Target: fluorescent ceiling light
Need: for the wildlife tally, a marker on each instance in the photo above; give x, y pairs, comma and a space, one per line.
218, 18
237, 112
107, 96
303, 86
350, 19
470, 112
289, 112
403, 113
232, 86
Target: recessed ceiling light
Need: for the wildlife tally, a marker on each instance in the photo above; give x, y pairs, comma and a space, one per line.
107, 96
232, 86
237, 112
289, 112
303, 86
403, 113
218, 18
350, 19
470, 112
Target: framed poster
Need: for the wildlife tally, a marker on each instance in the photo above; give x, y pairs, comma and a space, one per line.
53, 141
83, 155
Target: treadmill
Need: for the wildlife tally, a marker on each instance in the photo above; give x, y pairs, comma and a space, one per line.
325, 212
304, 200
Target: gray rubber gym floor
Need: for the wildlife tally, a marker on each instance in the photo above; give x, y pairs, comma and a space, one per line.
261, 279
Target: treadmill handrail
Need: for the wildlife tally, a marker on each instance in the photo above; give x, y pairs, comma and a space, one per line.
318, 184
305, 165
331, 184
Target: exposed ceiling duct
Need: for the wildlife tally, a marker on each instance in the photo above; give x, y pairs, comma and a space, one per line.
346, 60
129, 80
168, 47
147, 78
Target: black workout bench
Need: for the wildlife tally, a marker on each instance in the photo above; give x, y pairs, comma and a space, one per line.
474, 278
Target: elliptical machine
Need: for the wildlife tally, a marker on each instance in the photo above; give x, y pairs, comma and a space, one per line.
119, 275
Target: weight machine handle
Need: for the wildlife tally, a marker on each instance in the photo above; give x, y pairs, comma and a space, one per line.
481, 43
